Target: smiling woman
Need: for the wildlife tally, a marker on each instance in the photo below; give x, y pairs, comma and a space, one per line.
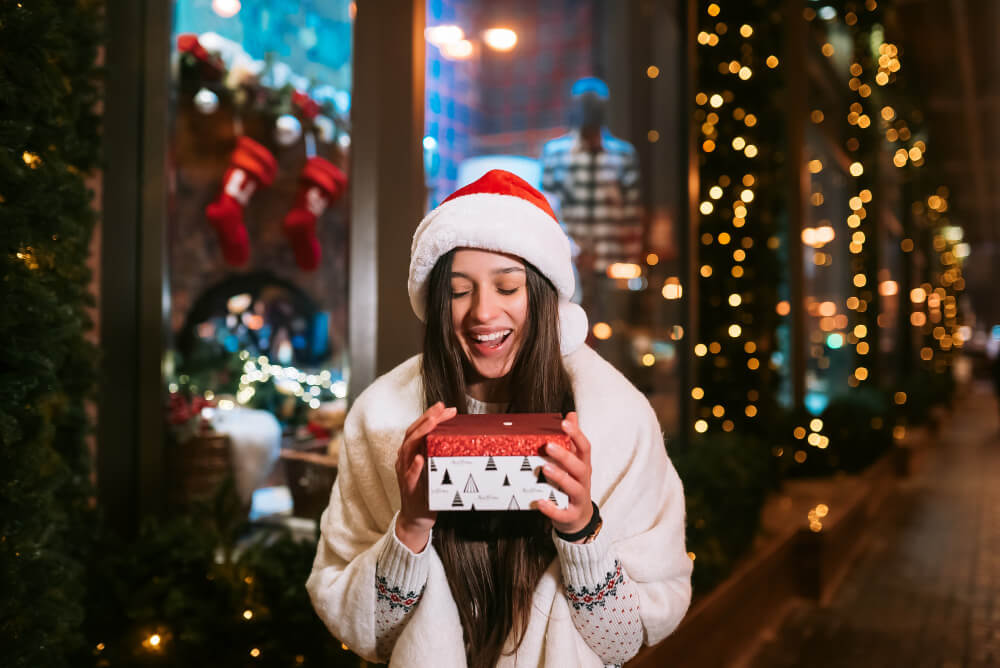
489, 309
491, 276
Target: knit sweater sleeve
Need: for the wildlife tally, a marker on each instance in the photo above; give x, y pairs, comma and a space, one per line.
604, 602
357, 534
400, 577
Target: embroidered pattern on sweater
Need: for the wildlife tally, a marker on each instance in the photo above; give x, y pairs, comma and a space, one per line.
584, 597
395, 595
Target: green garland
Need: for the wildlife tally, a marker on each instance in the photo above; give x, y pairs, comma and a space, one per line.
49, 142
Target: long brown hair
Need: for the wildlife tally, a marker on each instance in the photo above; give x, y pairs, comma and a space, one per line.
494, 560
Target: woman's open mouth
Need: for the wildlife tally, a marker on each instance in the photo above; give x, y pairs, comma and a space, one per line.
489, 344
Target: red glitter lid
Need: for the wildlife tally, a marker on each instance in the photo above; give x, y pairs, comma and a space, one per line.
496, 434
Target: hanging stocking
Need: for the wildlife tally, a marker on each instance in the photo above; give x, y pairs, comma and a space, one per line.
251, 166
322, 184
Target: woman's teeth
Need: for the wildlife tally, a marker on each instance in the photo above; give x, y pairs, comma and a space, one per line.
495, 336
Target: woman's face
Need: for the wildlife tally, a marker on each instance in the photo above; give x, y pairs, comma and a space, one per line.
489, 308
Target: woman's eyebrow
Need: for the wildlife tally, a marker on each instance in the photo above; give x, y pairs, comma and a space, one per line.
506, 270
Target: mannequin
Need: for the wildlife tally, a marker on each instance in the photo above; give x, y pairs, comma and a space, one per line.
595, 177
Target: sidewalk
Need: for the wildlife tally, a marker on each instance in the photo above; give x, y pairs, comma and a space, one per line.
927, 591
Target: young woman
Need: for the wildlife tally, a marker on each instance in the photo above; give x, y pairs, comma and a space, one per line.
491, 276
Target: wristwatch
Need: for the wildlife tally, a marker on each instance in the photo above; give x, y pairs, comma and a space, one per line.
587, 533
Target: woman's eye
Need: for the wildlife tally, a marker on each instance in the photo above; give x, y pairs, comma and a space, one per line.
456, 294
507, 292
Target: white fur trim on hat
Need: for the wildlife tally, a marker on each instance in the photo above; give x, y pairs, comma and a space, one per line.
504, 224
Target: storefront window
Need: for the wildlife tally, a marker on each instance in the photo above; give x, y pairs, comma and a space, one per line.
533, 87
258, 229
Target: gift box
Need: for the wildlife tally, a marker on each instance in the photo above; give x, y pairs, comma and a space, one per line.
492, 462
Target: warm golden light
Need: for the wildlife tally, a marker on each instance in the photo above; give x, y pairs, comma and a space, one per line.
652, 71
648, 359
857, 169
624, 270
701, 350
888, 288
444, 34
672, 288
460, 50
783, 308
735, 299
602, 331
652, 259
735, 330
701, 426
500, 39
697, 393
772, 61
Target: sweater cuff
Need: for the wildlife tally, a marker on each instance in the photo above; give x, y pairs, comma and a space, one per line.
399, 566
585, 564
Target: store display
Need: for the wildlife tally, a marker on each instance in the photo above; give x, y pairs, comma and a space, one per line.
595, 175
250, 167
287, 130
493, 462
321, 184
209, 66
206, 101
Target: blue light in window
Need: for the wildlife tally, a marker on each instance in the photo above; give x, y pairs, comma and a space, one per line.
816, 402
835, 341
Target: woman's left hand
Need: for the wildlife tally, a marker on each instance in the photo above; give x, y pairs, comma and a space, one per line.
570, 472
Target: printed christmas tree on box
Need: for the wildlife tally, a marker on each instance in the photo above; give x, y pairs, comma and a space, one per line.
492, 462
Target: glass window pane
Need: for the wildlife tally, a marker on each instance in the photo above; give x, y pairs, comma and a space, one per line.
257, 256
579, 99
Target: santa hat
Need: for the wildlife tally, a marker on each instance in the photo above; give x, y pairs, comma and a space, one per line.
500, 212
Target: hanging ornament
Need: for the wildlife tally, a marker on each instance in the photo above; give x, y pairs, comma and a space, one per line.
287, 130
325, 129
206, 101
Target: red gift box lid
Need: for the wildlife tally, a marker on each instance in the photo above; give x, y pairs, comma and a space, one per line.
496, 434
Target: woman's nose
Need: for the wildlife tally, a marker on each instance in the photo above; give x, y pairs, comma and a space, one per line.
484, 306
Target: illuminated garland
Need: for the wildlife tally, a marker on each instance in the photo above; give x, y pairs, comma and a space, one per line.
739, 238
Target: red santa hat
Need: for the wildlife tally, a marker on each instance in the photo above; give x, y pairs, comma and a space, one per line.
500, 212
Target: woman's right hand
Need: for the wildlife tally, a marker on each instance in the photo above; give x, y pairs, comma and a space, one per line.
413, 526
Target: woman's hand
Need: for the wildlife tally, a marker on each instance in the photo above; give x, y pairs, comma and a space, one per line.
413, 527
570, 472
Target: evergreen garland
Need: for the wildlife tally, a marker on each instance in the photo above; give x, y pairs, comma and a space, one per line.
742, 200
49, 142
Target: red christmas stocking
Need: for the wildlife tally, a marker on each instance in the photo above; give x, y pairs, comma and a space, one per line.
322, 184
251, 166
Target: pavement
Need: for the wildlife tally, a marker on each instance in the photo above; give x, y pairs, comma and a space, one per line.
926, 591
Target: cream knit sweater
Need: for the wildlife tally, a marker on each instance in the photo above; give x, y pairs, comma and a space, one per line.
633, 482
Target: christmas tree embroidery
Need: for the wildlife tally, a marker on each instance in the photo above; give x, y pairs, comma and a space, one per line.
446, 480
433, 465
525, 465
491, 465
552, 497
470, 485
506, 482
541, 475
513, 504
457, 501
